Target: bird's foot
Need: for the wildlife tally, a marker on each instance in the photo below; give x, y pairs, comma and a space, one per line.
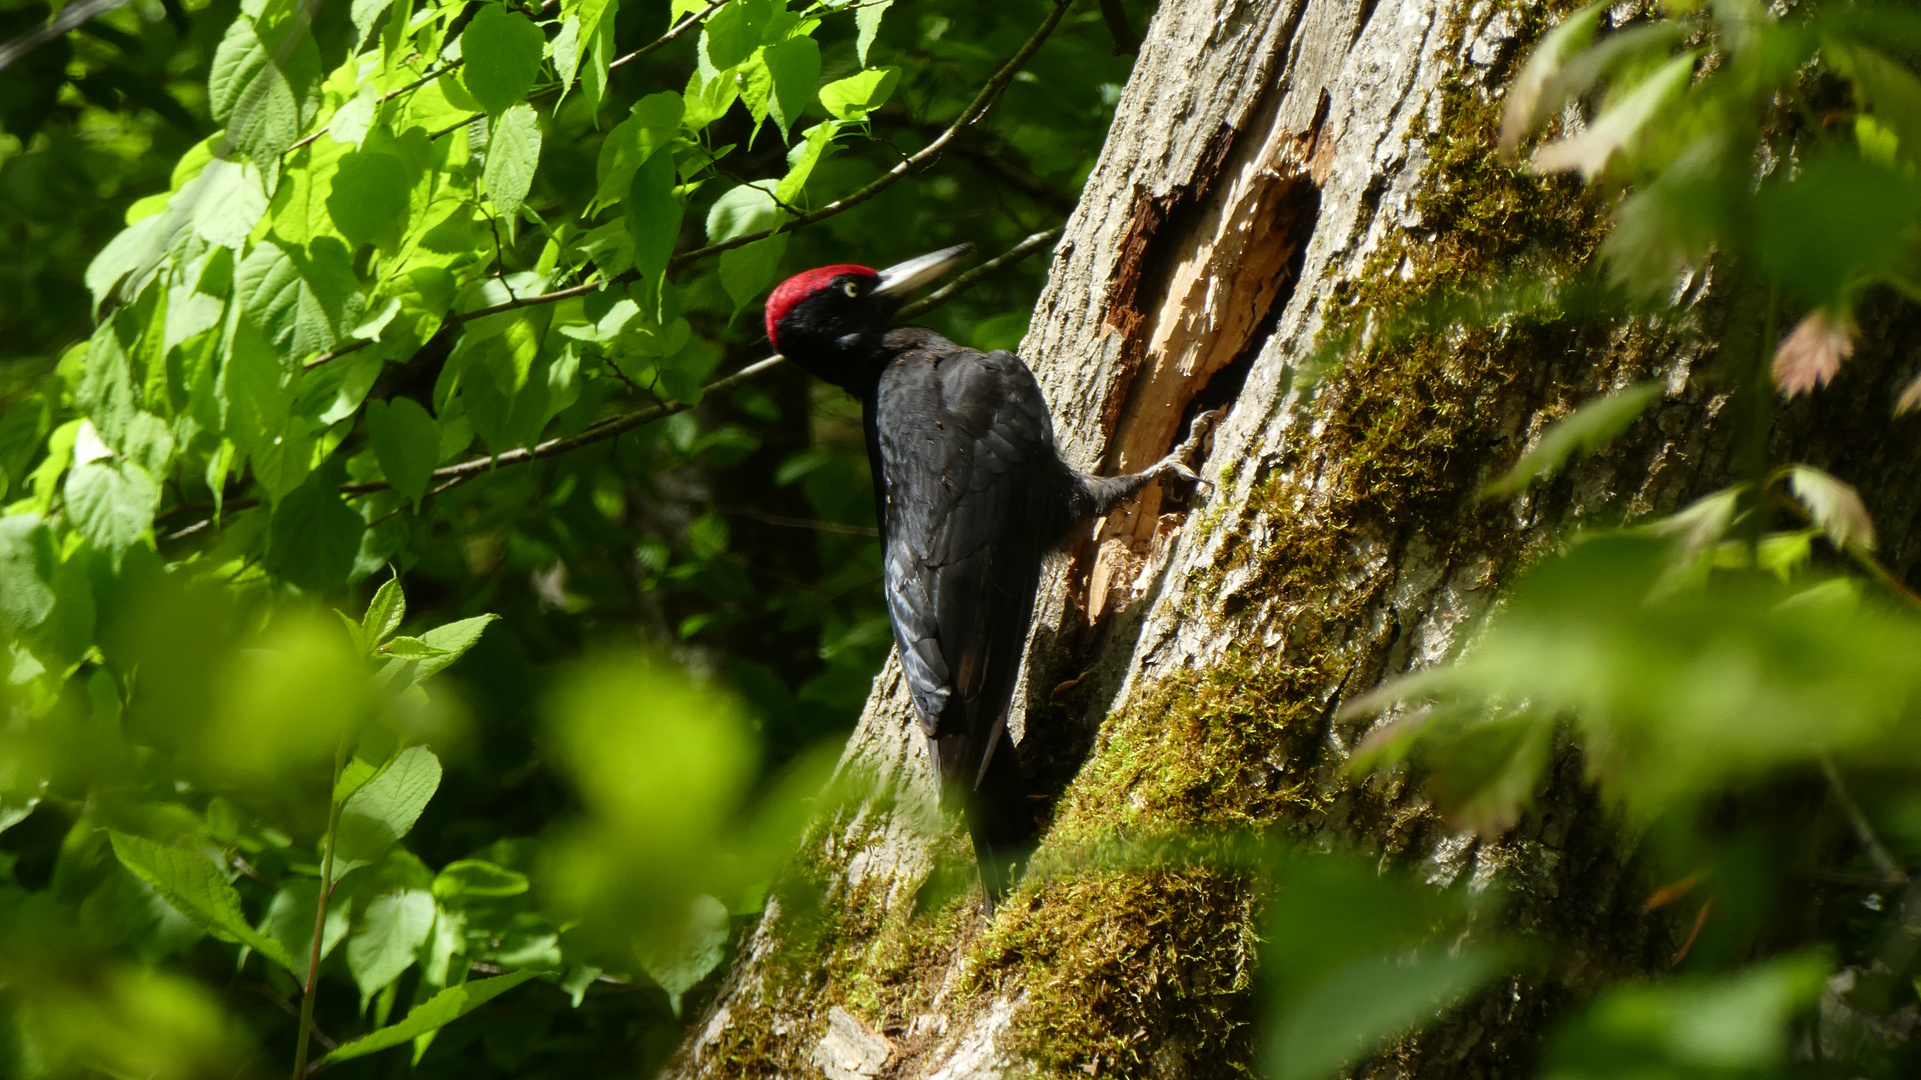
1176, 461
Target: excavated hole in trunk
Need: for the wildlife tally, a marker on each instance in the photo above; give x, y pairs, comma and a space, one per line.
1269, 227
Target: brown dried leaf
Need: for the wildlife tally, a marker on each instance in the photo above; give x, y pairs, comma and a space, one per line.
1910, 398
1811, 355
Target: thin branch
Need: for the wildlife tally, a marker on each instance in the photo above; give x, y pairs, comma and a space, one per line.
973, 277
800, 523
1863, 831
453, 476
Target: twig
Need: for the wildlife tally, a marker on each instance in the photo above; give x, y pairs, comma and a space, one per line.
453, 476
801, 523
1863, 831
973, 277
320, 913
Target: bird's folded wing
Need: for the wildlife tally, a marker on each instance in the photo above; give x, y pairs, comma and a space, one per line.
966, 456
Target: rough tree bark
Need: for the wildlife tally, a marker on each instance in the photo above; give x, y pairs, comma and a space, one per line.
1276, 169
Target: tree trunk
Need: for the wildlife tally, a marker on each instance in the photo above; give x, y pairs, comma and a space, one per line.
1277, 170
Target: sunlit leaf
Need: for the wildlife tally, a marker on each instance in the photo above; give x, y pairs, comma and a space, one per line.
111, 504
795, 67
395, 926
436, 1012
26, 573
1525, 103
1586, 430
1616, 129
196, 887
385, 808
1812, 354
653, 123
1739, 1024
512, 154
867, 18
478, 877
290, 921
1834, 506
857, 95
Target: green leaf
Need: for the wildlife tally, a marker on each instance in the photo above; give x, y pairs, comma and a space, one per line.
866, 25
313, 536
745, 209
653, 123
302, 300
795, 66
365, 13
1526, 98
371, 196
802, 159
502, 51
409, 648
453, 640
1352, 1012
227, 199
437, 1012
385, 612
406, 442
653, 214
1584, 431
1743, 1023
478, 877
264, 87
679, 963
745, 272
1618, 128
197, 889
732, 33
26, 573
512, 154
857, 95
112, 504
385, 808
396, 926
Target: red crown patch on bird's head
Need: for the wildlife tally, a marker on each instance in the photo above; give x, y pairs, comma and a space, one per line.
800, 287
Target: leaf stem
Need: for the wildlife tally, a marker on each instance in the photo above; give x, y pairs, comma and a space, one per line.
320, 913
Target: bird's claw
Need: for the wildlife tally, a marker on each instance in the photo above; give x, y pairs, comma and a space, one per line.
1175, 463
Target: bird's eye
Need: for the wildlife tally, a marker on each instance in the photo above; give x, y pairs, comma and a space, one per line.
851, 288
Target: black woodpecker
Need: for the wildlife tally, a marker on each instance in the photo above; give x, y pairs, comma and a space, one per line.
971, 494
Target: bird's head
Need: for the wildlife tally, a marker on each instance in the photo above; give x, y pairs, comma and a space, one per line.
830, 320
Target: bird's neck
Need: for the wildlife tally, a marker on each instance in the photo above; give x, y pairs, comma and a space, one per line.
851, 361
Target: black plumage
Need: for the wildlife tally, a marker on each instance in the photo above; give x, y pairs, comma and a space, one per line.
971, 495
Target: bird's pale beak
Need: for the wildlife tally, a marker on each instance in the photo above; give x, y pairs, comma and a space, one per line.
903, 278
